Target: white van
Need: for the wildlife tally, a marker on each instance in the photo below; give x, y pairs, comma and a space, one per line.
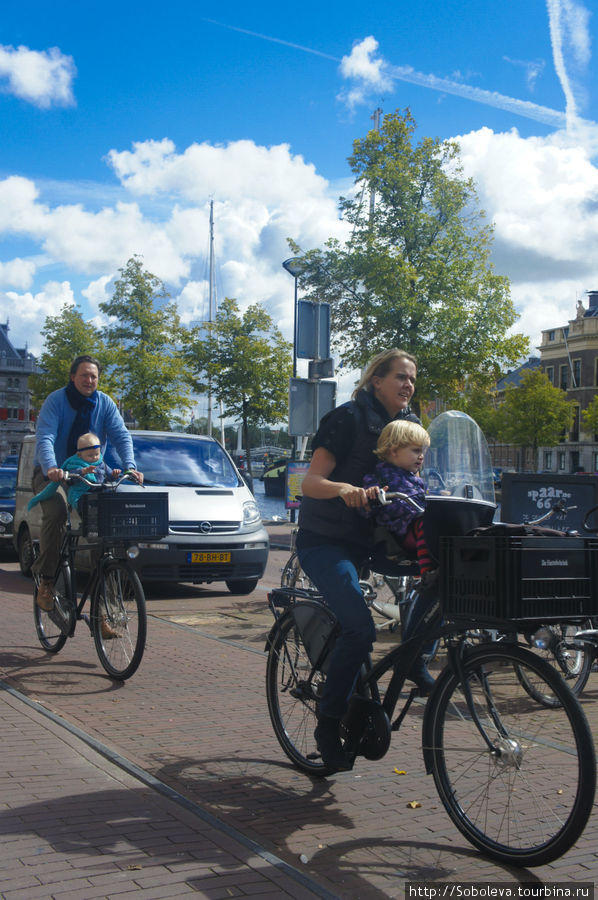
215, 529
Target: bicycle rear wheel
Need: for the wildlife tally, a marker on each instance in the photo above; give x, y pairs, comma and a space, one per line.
293, 575
574, 663
119, 620
519, 784
49, 634
293, 693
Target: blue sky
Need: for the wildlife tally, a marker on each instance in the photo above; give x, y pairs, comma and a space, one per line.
121, 122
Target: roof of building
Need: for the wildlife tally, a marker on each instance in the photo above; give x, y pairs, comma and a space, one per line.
514, 376
7, 350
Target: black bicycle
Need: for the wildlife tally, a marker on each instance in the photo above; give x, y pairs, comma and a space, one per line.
111, 524
492, 748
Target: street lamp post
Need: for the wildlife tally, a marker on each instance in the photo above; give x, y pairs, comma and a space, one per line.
294, 267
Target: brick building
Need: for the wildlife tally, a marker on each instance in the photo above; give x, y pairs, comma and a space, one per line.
16, 414
569, 357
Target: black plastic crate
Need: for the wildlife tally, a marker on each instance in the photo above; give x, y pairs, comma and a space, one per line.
495, 579
129, 514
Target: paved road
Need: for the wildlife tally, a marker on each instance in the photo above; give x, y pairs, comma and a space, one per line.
194, 717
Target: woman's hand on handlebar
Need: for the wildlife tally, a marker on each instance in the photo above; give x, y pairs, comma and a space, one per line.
134, 475
354, 497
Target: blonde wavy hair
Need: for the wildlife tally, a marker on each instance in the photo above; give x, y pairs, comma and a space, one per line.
380, 366
401, 433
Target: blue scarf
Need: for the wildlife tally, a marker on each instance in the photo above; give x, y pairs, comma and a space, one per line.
84, 407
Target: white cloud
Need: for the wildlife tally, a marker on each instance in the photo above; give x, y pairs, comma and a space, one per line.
43, 78
366, 70
262, 196
17, 273
570, 39
542, 195
29, 311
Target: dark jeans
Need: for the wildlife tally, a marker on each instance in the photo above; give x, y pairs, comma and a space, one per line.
334, 573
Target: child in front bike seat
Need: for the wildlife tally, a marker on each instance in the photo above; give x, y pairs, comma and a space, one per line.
401, 447
400, 531
87, 461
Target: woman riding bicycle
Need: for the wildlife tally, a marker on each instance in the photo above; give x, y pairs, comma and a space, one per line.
334, 540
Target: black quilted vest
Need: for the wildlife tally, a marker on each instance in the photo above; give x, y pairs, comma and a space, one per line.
332, 518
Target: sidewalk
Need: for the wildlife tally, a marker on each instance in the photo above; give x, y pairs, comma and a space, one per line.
78, 820
73, 824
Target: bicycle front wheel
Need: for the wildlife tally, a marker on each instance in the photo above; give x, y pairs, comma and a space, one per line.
572, 661
293, 693
49, 634
119, 620
517, 778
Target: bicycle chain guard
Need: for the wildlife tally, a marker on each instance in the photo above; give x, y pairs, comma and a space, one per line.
366, 728
62, 615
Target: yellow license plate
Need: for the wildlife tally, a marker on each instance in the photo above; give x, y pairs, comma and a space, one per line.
208, 557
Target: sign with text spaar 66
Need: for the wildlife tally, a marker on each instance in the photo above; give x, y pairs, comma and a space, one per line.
295, 473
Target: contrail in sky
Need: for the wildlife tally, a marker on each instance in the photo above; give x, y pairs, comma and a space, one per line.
523, 108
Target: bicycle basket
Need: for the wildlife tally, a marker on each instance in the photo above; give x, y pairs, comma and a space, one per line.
125, 515
488, 579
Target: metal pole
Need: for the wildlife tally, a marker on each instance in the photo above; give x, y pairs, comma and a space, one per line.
294, 447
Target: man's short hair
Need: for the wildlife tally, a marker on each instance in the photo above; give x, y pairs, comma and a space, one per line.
85, 359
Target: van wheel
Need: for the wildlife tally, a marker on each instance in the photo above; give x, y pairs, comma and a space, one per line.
25, 548
242, 585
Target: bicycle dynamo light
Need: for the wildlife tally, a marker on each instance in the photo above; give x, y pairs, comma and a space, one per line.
542, 639
133, 551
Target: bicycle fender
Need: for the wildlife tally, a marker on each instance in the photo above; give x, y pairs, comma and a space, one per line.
275, 629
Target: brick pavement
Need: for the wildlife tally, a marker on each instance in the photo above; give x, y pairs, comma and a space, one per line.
195, 717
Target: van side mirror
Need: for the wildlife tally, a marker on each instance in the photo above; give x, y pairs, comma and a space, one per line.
248, 479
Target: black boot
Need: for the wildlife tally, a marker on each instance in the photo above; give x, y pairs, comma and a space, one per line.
421, 677
329, 744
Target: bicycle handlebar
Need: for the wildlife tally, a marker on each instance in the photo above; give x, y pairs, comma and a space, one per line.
75, 476
385, 498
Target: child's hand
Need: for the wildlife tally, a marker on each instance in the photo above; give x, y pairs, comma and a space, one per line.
115, 473
86, 470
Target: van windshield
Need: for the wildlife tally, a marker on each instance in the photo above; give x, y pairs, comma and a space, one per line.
8, 480
178, 460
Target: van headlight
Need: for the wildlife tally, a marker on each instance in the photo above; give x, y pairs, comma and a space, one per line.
251, 512
5, 518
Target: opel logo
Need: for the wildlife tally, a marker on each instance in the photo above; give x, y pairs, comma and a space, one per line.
205, 527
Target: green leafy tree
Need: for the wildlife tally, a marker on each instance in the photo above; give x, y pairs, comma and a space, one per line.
415, 272
246, 363
480, 403
67, 336
146, 339
589, 417
535, 413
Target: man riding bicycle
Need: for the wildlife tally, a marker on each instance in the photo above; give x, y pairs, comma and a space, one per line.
65, 416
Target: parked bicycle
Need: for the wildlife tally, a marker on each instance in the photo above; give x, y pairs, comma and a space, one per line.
491, 747
111, 523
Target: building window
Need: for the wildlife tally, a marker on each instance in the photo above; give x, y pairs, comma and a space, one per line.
596, 371
564, 378
551, 335
575, 425
576, 373
548, 459
562, 460
595, 461
550, 373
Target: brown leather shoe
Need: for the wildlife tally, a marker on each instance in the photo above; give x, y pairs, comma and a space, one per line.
45, 594
107, 631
